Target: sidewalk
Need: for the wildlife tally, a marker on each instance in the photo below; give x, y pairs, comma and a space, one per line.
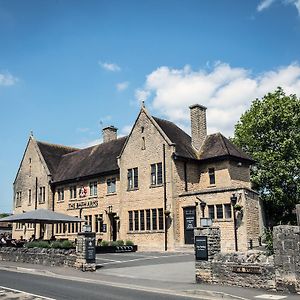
155, 277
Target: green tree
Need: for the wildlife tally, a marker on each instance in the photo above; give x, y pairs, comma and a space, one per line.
270, 132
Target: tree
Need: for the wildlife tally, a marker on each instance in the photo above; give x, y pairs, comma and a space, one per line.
270, 132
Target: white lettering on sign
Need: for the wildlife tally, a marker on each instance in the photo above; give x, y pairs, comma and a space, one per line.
83, 204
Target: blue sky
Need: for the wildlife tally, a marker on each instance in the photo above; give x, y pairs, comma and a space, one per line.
67, 68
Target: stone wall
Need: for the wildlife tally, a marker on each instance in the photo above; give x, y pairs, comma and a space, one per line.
47, 257
253, 268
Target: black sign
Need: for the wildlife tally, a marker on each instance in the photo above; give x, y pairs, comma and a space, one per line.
90, 254
104, 227
201, 250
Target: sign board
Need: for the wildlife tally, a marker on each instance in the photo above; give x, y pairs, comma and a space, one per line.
247, 269
201, 250
90, 249
104, 227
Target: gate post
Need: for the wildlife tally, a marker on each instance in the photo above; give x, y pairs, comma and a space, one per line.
207, 244
86, 251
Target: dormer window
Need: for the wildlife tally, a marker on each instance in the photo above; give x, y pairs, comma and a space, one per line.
212, 177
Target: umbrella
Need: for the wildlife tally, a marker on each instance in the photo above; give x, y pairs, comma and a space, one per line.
41, 216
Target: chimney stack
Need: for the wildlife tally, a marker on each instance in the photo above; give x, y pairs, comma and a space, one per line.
109, 133
198, 125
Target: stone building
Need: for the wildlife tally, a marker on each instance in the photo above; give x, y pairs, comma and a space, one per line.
152, 186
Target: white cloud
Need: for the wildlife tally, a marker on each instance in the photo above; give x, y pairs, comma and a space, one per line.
264, 4
110, 66
125, 130
121, 86
226, 91
6, 79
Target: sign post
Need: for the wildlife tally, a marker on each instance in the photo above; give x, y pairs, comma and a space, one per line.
86, 251
201, 250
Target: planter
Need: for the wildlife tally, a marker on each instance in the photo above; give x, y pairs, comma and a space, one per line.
116, 249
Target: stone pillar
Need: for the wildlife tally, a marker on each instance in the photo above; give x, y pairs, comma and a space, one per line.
109, 134
286, 244
298, 214
86, 251
204, 267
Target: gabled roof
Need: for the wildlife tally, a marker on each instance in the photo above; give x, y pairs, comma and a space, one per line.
182, 141
52, 154
91, 161
216, 145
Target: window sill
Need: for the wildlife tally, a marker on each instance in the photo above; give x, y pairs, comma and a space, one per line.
60, 201
211, 186
134, 189
111, 194
145, 231
153, 186
222, 220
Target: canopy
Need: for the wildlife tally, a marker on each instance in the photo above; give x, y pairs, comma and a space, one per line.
41, 216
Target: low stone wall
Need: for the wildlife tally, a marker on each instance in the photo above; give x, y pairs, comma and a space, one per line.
47, 257
252, 269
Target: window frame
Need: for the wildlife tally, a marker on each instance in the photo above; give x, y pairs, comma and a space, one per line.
132, 179
212, 176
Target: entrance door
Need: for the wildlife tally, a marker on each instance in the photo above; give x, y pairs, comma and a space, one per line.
113, 226
189, 224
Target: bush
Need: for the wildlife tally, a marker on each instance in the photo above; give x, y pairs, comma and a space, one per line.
268, 238
104, 243
129, 243
120, 243
62, 245
37, 244
114, 243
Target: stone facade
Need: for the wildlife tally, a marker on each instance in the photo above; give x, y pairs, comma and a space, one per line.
158, 185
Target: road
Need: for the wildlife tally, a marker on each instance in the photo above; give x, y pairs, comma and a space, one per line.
55, 288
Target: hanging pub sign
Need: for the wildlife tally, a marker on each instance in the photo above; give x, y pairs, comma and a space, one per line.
83, 192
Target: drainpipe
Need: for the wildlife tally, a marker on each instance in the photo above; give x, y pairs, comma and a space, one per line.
35, 202
165, 197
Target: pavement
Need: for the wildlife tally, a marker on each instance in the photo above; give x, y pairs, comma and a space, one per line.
171, 273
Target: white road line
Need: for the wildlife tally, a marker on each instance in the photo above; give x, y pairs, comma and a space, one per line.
268, 296
112, 260
30, 294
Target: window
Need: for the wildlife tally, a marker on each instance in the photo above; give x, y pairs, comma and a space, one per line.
61, 228
136, 220
143, 143
93, 188
160, 219
156, 174
88, 220
29, 197
111, 185
99, 223
73, 192
219, 211
211, 173
30, 226
42, 194
132, 176
19, 226
142, 220
154, 219
211, 211
60, 193
148, 220
227, 209
18, 199
130, 221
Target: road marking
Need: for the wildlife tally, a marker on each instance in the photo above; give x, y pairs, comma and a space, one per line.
30, 294
268, 296
108, 259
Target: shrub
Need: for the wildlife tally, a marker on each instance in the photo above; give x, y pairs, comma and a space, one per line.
104, 243
120, 243
268, 237
56, 245
37, 244
62, 244
114, 243
129, 243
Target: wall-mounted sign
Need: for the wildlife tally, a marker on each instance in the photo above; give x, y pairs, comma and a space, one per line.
201, 250
83, 204
104, 227
83, 192
246, 269
90, 254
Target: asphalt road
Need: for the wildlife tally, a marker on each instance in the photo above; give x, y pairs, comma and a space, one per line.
55, 288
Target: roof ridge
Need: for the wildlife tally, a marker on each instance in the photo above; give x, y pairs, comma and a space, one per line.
58, 145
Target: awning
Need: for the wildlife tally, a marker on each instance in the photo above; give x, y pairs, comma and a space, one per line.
44, 216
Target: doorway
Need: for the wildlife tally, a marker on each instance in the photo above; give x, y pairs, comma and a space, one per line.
189, 214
